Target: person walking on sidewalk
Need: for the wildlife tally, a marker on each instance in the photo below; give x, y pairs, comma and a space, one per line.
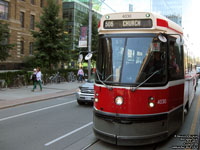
34, 78
80, 74
39, 79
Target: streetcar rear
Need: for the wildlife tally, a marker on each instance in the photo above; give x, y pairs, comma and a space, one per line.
139, 86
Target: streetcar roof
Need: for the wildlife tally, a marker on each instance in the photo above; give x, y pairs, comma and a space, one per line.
160, 24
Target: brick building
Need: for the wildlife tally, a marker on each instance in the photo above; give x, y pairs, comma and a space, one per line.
21, 16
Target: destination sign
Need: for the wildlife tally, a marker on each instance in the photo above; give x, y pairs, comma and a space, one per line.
131, 23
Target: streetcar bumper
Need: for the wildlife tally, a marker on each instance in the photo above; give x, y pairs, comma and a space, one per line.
130, 140
134, 130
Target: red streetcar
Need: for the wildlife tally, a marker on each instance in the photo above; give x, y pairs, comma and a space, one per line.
144, 79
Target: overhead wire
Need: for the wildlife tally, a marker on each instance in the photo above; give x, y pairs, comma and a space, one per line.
102, 1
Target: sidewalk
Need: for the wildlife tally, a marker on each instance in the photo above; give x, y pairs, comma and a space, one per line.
17, 96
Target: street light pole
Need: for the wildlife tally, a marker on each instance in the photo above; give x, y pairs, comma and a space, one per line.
90, 37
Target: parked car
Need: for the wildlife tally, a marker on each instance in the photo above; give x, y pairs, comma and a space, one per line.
85, 93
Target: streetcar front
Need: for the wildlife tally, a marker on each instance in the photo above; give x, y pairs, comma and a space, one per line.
132, 91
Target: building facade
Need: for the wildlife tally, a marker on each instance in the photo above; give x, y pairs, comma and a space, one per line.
74, 11
96, 4
21, 15
171, 9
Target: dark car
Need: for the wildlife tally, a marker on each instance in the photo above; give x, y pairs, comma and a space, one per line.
86, 92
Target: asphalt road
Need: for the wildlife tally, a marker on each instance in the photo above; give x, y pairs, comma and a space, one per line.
61, 124
54, 125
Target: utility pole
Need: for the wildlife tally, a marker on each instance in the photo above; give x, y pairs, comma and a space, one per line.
90, 37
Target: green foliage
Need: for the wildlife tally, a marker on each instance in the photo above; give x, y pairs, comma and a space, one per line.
4, 45
31, 62
50, 41
9, 77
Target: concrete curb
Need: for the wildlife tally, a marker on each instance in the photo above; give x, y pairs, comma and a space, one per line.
17, 102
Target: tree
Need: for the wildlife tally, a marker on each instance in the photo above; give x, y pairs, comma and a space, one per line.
50, 41
4, 45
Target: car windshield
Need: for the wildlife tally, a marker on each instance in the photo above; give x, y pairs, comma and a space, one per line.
131, 59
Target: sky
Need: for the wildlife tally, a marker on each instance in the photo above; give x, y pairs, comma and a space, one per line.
190, 21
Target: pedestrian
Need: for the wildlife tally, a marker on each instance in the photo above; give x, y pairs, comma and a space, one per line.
38, 79
80, 74
34, 79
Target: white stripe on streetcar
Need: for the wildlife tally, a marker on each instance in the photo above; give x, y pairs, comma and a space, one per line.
30, 112
64, 136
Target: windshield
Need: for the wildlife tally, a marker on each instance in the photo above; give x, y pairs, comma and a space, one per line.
131, 60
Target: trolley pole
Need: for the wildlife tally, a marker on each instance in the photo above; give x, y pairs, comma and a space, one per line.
90, 37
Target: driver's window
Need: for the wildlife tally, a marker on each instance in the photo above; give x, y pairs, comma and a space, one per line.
175, 65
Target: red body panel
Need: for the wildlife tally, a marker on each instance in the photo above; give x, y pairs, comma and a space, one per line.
137, 102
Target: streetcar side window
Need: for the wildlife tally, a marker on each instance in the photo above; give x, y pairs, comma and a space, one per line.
175, 67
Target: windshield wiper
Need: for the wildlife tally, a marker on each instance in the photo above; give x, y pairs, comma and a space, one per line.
109, 77
135, 88
108, 87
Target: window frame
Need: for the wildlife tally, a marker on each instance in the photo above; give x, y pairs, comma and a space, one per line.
22, 47
31, 48
32, 22
41, 3
32, 2
5, 6
22, 19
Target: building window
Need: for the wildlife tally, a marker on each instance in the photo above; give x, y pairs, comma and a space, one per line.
33, 2
22, 19
3, 10
41, 3
31, 48
32, 23
22, 47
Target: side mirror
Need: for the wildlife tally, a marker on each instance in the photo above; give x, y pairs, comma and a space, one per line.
162, 38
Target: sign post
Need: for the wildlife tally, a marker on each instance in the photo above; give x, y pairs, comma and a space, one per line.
90, 37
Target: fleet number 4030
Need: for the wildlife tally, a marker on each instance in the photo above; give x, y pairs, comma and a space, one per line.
162, 101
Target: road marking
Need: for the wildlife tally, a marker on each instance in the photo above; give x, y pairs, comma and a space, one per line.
64, 136
30, 112
194, 123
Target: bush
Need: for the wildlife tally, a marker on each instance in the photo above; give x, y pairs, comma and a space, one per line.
9, 77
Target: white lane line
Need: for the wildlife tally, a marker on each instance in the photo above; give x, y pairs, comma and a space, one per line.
64, 136
30, 112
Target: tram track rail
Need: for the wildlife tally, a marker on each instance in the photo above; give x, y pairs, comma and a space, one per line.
89, 145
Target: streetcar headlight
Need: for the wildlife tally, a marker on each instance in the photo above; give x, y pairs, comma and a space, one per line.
151, 98
96, 100
151, 104
119, 100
